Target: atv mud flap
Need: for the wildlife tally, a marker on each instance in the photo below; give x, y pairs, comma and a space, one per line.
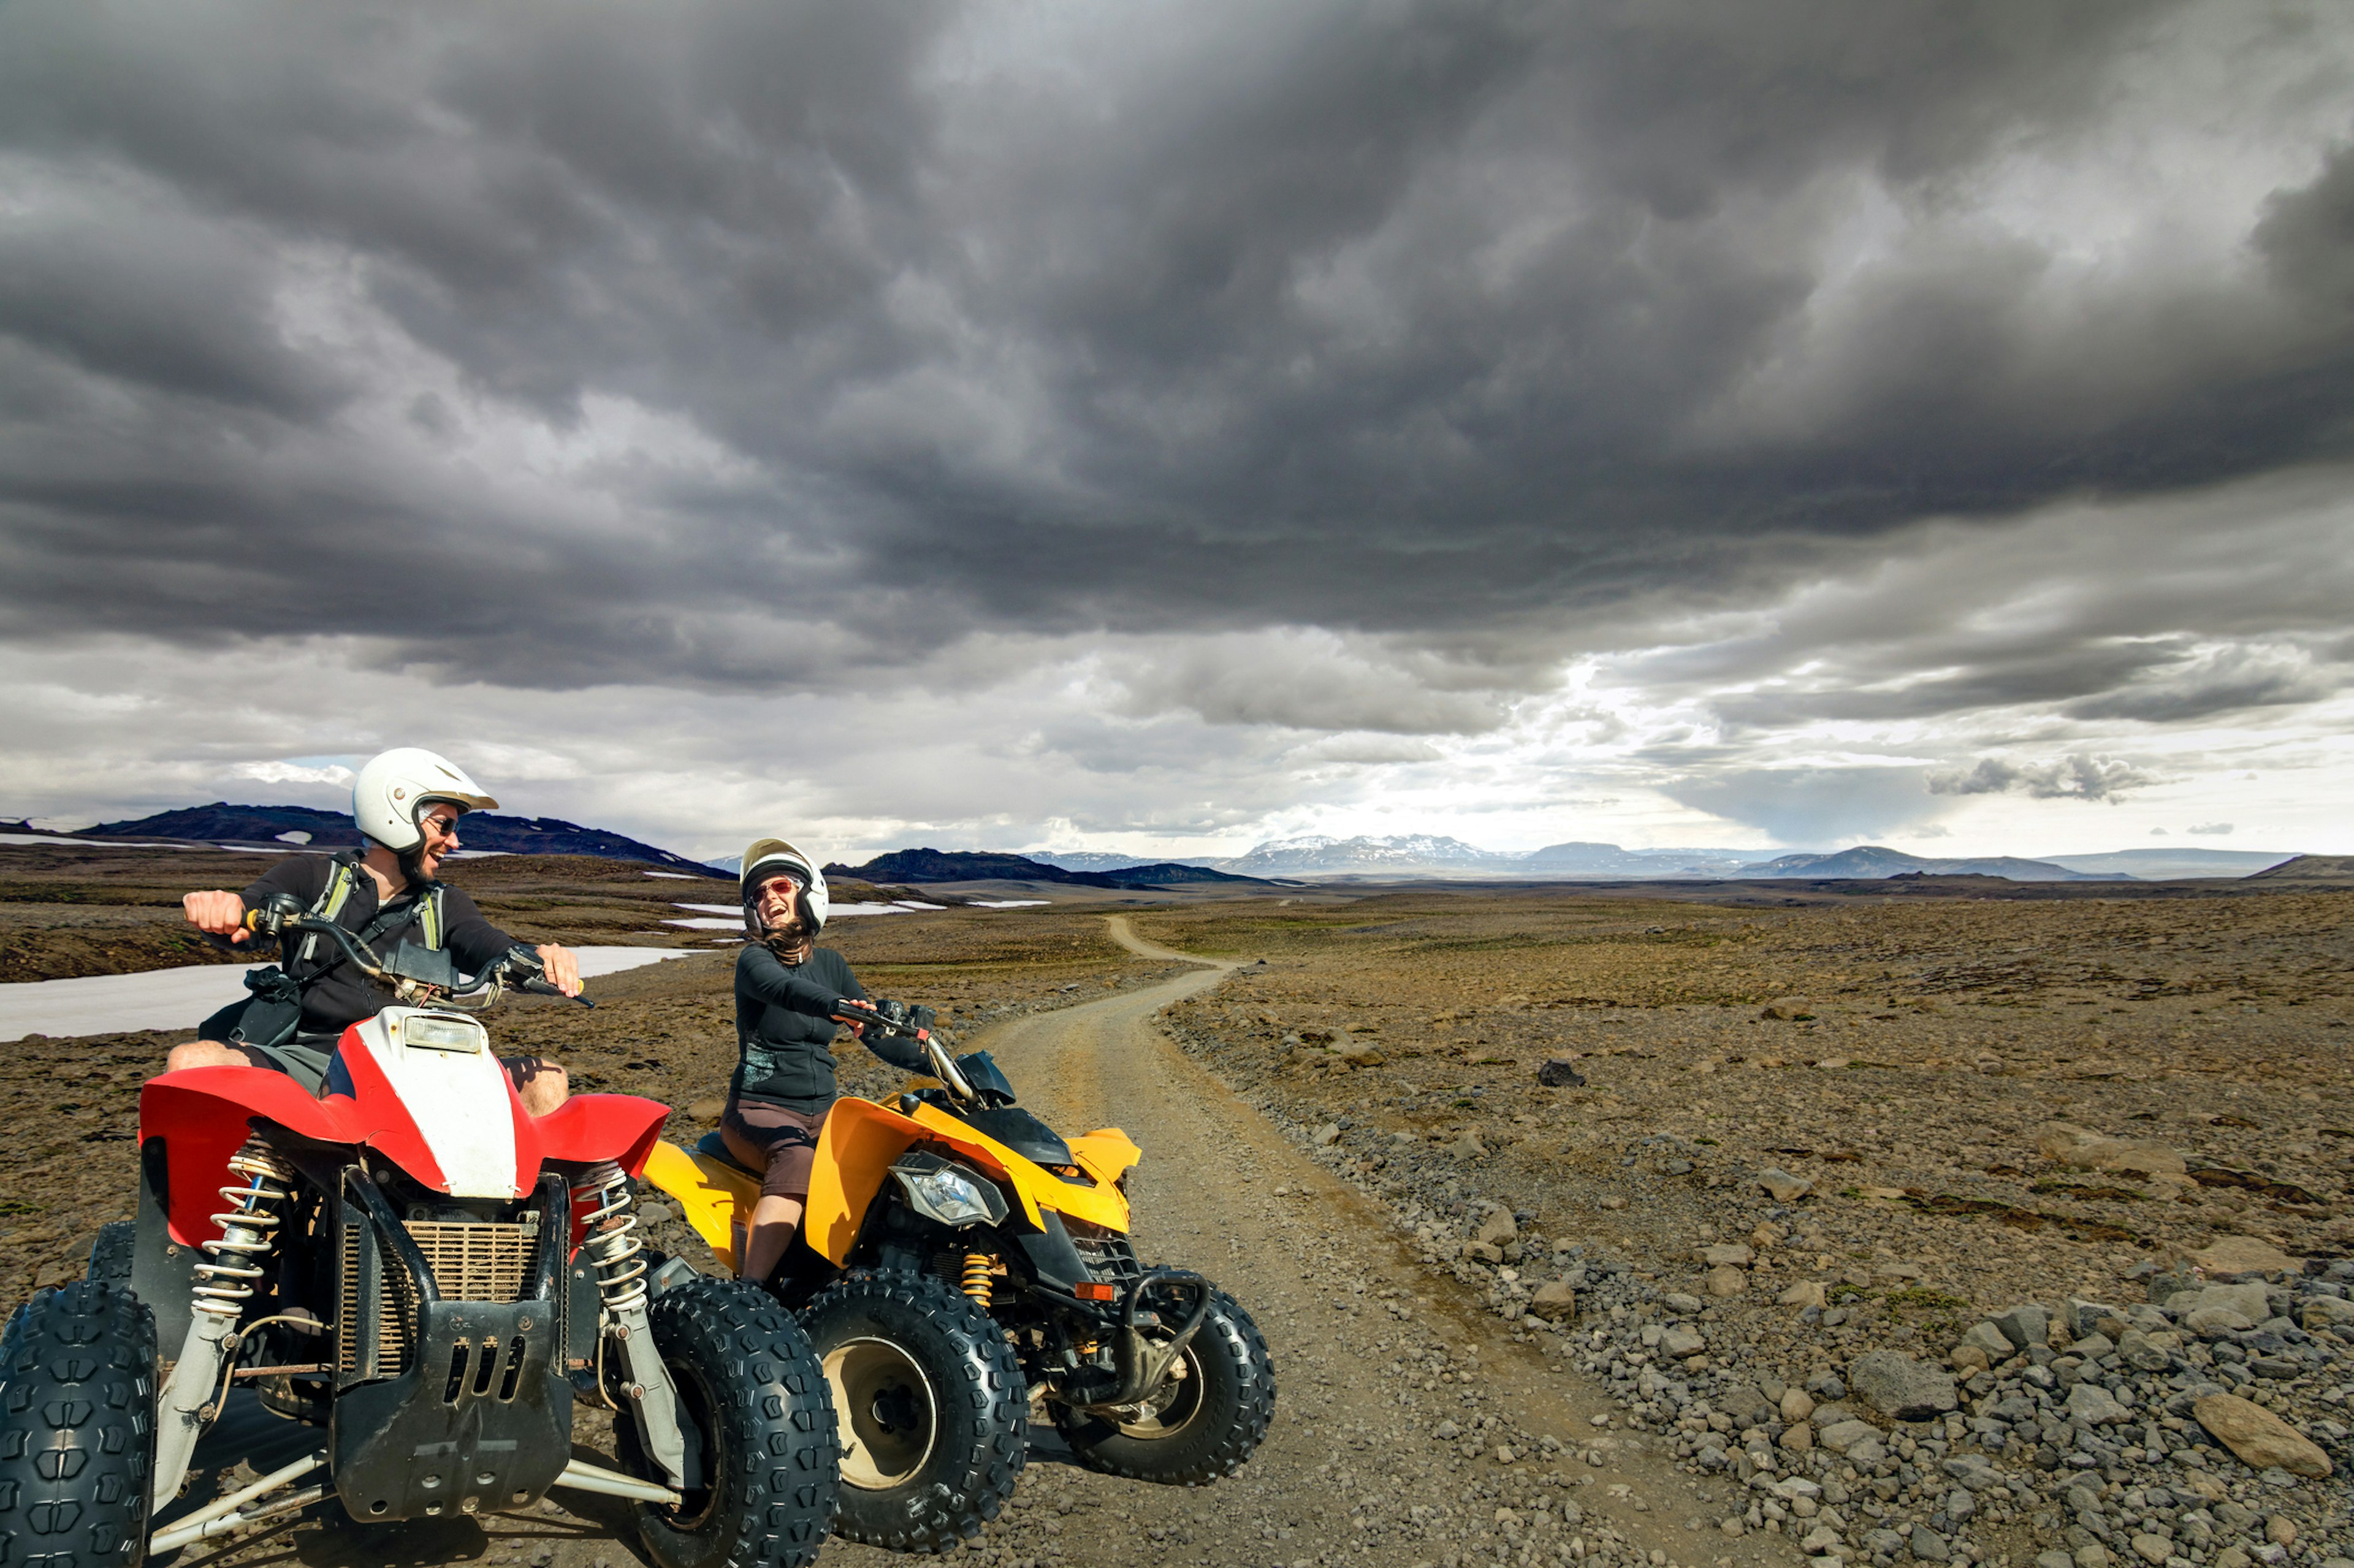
482, 1418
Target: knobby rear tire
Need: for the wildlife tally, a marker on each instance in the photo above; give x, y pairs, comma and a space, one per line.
754, 1390
112, 1254
1211, 1426
953, 1359
78, 1427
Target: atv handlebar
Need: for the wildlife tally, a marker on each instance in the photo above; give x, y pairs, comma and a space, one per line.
910, 1024
280, 915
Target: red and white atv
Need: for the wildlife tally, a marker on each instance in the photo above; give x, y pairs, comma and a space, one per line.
430, 1274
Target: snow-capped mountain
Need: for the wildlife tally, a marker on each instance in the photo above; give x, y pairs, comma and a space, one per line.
1104, 859
1316, 855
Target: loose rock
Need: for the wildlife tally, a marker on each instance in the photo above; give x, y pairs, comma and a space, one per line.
2243, 1254
2093, 1405
1897, 1385
2260, 1438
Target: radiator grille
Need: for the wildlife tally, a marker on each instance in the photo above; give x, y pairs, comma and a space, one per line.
1109, 1256
471, 1262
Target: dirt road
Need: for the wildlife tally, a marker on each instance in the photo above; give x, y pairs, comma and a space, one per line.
1367, 1459
1396, 1392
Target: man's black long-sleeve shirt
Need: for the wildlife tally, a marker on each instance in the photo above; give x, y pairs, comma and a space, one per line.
335, 994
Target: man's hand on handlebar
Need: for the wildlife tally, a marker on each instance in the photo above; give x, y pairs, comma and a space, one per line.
561, 966
217, 914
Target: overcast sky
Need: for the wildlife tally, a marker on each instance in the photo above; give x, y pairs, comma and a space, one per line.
1164, 427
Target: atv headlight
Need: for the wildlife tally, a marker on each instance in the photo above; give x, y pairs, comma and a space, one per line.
441, 1032
948, 1194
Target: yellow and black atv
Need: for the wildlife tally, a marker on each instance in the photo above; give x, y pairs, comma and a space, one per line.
958, 1258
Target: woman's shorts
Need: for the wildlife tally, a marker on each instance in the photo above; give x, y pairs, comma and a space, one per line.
779, 1142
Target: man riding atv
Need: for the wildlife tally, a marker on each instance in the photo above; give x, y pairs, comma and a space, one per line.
789, 996
406, 803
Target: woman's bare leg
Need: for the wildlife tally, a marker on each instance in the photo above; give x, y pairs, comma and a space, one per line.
773, 1220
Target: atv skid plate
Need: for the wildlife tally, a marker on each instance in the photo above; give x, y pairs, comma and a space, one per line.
482, 1419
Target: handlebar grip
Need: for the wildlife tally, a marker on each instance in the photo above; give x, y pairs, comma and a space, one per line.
541, 988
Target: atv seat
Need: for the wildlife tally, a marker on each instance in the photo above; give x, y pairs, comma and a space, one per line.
716, 1147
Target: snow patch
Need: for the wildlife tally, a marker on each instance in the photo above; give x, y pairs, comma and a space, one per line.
182, 997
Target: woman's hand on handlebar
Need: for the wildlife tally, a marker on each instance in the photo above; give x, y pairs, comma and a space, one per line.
855, 1013
561, 966
217, 914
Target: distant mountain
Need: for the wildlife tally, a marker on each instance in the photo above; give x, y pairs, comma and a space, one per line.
309, 827
1869, 861
1403, 855
1418, 854
2169, 865
2335, 869
1103, 861
1178, 873
1609, 860
921, 866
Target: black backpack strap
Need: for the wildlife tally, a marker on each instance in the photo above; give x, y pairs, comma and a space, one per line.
426, 909
345, 870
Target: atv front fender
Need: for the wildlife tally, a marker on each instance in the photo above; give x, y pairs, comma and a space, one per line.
713, 1197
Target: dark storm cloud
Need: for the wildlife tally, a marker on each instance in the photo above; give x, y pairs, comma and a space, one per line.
1448, 322
1807, 805
2078, 778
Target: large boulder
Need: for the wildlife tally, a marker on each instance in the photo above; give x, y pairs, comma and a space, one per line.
2260, 1438
2248, 1300
1901, 1387
2087, 1150
2243, 1254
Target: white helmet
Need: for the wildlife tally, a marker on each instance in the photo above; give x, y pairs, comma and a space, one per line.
395, 787
774, 857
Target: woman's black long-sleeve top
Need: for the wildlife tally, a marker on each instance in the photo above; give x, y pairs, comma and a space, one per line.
785, 1029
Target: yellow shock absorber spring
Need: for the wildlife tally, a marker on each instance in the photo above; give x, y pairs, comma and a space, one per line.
977, 1265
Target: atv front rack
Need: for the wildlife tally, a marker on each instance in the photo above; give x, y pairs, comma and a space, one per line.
1141, 1364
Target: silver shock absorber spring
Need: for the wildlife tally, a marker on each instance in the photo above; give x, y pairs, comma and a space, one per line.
604, 1193
221, 1286
248, 1231
601, 1194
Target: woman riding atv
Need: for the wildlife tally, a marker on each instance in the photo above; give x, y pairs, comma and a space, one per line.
790, 995
955, 1257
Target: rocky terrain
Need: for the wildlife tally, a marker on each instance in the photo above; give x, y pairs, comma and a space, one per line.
1617, 1231
1906, 1223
